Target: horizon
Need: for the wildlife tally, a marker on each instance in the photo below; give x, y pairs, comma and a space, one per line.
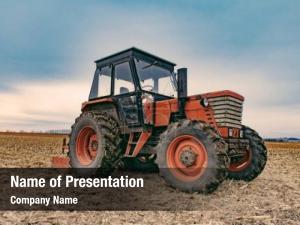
47, 56
67, 131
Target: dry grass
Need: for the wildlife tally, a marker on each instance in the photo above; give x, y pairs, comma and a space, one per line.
272, 198
283, 145
28, 150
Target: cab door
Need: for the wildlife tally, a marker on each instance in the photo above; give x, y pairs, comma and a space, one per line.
126, 94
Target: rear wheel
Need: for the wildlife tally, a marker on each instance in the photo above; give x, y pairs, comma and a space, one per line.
252, 163
192, 157
94, 142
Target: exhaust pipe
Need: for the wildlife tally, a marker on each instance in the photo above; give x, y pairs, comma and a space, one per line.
182, 83
181, 90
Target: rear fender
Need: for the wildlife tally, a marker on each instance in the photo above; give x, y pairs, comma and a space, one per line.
87, 104
106, 104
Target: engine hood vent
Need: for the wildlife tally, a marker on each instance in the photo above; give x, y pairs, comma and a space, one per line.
227, 108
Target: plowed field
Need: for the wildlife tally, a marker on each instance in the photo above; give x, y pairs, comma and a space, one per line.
272, 198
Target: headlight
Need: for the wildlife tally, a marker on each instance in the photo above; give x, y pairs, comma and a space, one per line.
204, 102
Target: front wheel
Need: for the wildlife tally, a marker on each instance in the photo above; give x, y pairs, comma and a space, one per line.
192, 157
249, 166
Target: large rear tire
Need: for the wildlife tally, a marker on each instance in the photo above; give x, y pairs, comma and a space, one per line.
94, 142
192, 157
254, 160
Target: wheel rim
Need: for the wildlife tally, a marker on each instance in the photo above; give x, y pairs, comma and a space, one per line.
187, 158
86, 146
243, 163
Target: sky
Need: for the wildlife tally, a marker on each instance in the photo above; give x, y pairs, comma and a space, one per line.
48, 48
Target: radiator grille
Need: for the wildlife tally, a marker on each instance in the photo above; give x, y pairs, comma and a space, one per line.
227, 111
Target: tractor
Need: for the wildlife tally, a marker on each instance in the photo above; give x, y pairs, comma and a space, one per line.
138, 114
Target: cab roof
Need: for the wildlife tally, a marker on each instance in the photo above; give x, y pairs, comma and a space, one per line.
134, 53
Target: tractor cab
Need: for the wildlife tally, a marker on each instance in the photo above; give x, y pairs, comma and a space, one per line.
132, 78
133, 70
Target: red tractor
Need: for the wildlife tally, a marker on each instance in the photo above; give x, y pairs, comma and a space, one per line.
133, 116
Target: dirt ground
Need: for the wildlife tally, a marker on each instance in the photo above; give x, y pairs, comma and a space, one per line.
272, 198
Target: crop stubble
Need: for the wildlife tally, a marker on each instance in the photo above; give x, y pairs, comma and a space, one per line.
273, 198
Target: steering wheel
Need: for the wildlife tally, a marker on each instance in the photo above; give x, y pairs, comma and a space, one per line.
148, 86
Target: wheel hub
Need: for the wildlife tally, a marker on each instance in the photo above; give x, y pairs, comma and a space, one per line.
188, 157
94, 145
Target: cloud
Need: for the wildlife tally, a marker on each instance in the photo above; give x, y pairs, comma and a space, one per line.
55, 105
40, 105
275, 121
269, 106
46, 56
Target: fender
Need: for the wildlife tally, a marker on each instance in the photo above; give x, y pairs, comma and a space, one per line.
92, 102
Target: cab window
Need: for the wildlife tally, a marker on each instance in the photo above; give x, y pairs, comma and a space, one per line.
123, 79
102, 83
155, 78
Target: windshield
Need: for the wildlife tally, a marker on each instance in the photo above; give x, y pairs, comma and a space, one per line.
155, 78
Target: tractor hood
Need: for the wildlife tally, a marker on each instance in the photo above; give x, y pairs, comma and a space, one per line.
227, 107
216, 94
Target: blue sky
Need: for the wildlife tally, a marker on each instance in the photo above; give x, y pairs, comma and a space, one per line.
47, 49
